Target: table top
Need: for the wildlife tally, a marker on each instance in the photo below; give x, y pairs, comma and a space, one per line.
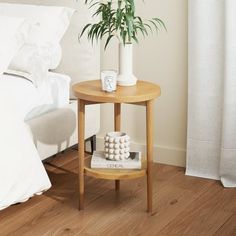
91, 90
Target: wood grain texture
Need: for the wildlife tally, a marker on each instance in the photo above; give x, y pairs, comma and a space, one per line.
228, 228
149, 141
117, 127
143, 93
183, 205
81, 130
92, 91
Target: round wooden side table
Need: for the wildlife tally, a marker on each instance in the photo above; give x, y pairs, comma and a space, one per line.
143, 94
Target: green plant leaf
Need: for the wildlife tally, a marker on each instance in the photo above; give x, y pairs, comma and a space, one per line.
86, 26
108, 40
118, 20
160, 22
92, 5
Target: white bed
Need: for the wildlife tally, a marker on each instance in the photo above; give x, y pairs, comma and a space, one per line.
22, 174
32, 129
50, 129
54, 126
60, 93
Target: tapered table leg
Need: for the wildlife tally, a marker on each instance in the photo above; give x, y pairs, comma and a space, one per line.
117, 119
149, 133
81, 123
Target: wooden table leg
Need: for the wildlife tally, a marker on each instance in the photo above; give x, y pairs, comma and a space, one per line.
117, 119
149, 133
81, 123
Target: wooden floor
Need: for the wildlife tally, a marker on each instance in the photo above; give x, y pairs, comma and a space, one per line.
182, 206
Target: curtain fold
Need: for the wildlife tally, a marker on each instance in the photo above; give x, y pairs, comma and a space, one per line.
211, 138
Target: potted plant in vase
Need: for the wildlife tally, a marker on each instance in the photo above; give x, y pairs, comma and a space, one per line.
118, 19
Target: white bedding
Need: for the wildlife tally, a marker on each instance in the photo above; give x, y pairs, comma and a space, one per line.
22, 173
60, 88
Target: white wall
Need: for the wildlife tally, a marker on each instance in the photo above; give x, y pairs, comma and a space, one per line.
163, 60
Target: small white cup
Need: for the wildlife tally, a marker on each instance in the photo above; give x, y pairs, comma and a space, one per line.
109, 80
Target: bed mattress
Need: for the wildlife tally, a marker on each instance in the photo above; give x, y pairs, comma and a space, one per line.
59, 88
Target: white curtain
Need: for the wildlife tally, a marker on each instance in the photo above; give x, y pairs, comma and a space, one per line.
211, 140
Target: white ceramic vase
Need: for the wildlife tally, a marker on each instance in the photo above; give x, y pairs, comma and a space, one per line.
126, 76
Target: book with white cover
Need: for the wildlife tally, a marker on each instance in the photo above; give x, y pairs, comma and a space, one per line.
99, 161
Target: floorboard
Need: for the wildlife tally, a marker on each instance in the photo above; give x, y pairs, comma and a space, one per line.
183, 205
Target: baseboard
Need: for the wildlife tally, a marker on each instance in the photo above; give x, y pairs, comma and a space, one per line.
162, 154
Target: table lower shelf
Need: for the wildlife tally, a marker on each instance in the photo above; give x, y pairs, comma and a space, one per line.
114, 174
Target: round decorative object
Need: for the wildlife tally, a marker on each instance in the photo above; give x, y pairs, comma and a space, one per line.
117, 146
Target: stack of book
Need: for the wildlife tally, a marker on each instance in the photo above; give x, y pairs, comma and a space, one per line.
99, 161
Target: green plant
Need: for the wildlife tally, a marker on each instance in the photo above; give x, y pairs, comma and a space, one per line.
118, 19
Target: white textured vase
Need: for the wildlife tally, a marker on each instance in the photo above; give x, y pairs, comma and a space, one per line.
126, 76
116, 146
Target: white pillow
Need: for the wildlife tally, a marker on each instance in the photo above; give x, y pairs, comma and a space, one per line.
35, 61
29, 61
13, 33
53, 20
52, 54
